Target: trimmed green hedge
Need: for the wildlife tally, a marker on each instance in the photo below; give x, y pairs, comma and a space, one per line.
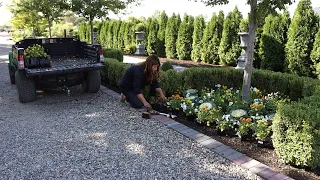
113, 53
113, 71
296, 132
171, 81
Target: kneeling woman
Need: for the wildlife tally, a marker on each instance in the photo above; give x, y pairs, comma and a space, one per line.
137, 77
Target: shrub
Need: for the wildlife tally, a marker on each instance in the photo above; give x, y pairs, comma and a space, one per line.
113, 53
140, 27
113, 71
130, 49
296, 134
166, 66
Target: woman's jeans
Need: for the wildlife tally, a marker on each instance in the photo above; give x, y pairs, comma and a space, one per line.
132, 98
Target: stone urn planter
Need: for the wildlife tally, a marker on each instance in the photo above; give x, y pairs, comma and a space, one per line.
244, 36
140, 47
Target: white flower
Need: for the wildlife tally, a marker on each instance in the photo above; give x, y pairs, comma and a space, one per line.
231, 88
200, 101
237, 91
226, 116
230, 103
196, 110
238, 113
192, 104
218, 85
208, 94
191, 97
168, 103
208, 105
184, 106
212, 90
255, 89
256, 101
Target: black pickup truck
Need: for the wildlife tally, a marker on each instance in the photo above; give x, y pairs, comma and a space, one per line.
72, 62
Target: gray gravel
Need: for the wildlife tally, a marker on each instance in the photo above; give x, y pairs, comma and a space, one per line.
95, 136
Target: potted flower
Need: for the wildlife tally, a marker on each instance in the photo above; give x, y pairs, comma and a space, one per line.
36, 56
208, 114
174, 103
262, 131
244, 130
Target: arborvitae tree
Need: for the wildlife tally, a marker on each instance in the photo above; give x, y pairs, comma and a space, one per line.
244, 25
220, 24
171, 35
210, 41
199, 26
272, 44
103, 33
160, 47
110, 34
152, 37
315, 55
127, 34
300, 39
121, 35
184, 40
116, 29
229, 49
147, 24
82, 31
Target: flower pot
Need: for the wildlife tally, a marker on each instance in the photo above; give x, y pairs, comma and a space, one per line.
191, 117
33, 63
264, 144
221, 133
45, 62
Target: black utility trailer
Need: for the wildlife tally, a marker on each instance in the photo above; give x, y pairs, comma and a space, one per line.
72, 62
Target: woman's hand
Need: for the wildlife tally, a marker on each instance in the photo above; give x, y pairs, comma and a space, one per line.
163, 98
147, 105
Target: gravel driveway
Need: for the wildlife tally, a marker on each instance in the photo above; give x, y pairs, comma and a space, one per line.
85, 136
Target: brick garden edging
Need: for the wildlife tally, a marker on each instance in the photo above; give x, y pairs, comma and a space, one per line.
227, 152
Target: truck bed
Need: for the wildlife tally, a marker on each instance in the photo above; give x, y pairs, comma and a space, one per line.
66, 66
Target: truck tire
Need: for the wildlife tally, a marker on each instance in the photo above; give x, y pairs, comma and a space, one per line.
11, 74
92, 82
26, 87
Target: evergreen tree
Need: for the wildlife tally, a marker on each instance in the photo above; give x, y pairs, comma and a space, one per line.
127, 34
220, 25
210, 41
103, 33
229, 49
300, 39
184, 40
109, 43
121, 35
152, 37
160, 47
116, 29
199, 26
171, 35
147, 24
272, 44
315, 55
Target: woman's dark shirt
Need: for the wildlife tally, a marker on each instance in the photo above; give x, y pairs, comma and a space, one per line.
135, 79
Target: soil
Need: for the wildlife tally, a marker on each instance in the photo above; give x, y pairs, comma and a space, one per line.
266, 156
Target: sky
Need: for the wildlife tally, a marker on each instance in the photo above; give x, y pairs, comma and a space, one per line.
148, 7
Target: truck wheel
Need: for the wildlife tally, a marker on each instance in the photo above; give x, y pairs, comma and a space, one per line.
26, 87
11, 73
92, 82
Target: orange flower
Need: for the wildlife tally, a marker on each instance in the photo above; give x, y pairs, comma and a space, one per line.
262, 99
229, 100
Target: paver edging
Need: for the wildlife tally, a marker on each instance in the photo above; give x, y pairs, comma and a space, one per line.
227, 152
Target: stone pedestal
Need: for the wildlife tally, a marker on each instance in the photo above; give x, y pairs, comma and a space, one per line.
244, 44
140, 47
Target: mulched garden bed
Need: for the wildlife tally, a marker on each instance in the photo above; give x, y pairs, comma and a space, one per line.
266, 156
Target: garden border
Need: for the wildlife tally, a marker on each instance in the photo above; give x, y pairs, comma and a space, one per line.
227, 152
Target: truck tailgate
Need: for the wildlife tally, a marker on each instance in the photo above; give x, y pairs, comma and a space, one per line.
66, 66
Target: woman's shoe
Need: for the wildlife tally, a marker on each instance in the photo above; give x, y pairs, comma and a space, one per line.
123, 98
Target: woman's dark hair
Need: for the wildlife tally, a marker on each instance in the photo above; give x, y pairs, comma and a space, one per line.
147, 64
